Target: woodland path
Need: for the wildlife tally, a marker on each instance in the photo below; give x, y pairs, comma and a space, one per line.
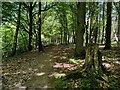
31, 69
34, 69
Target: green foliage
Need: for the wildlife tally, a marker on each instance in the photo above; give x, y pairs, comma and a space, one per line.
7, 36
75, 74
52, 21
88, 82
113, 83
73, 61
61, 83
8, 31
85, 83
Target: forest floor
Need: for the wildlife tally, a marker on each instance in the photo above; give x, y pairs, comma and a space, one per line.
34, 69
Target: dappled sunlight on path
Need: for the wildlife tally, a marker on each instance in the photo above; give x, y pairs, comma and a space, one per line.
34, 69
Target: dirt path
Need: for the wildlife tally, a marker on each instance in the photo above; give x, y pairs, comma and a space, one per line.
33, 69
43, 68
30, 69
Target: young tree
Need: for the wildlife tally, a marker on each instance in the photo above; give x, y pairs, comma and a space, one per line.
30, 8
16, 32
81, 8
119, 22
30, 27
103, 19
39, 29
108, 26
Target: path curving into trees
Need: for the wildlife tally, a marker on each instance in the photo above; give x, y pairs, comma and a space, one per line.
31, 70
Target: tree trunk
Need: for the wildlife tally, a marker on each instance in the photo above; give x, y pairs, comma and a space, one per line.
74, 27
65, 37
30, 27
91, 22
108, 26
119, 23
86, 36
96, 28
68, 37
39, 30
103, 19
61, 36
80, 28
96, 33
73, 38
16, 32
87, 32
65, 28
93, 59
99, 30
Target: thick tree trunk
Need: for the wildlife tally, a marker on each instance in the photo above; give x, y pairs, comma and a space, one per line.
80, 28
108, 26
93, 59
39, 31
30, 27
16, 33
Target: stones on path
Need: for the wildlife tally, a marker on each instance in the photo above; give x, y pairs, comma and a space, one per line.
57, 75
40, 74
58, 65
67, 66
20, 88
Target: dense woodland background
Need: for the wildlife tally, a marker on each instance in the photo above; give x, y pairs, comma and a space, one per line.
87, 31
25, 26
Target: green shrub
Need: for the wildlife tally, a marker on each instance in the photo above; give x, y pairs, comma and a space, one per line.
84, 83
113, 83
61, 83
88, 83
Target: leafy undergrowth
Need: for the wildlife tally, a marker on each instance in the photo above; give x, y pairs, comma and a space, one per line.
56, 67
76, 79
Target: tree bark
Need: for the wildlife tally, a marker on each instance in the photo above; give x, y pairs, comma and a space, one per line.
80, 28
39, 30
108, 26
93, 59
16, 32
30, 27
97, 28
86, 37
103, 19
96, 33
65, 28
119, 23
61, 36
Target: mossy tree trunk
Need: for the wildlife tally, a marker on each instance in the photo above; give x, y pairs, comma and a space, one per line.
93, 59
81, 10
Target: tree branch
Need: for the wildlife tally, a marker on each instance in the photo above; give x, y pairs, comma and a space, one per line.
26, 6
46, 9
